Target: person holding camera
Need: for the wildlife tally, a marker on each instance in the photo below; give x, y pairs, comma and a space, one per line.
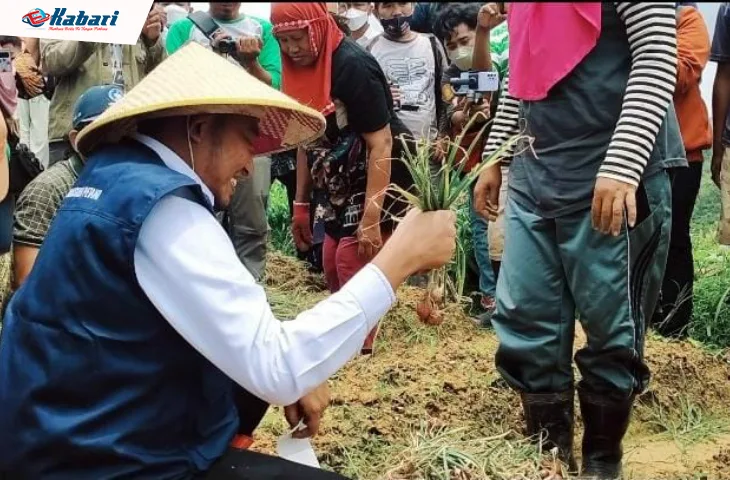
244, 39
476, 39
249, 43
414, 63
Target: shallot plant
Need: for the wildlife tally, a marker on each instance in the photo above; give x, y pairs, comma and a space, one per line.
443, 190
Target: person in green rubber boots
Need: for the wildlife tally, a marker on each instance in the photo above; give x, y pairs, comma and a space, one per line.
588, 213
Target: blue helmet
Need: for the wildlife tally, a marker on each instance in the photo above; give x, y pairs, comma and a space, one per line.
93, 102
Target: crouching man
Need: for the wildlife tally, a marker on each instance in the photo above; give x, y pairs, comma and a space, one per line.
120, 352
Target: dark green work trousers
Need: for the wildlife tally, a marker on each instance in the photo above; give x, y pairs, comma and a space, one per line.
555, 270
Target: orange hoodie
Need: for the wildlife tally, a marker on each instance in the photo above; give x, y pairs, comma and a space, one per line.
693, 50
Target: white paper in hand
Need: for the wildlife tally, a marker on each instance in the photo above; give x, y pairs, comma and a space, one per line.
297, 450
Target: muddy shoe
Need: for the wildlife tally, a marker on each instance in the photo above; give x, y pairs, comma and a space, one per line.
483, 320
552, 413
606, 422
487, 306
488, 303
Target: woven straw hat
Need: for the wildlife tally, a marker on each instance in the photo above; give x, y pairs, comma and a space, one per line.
194, 81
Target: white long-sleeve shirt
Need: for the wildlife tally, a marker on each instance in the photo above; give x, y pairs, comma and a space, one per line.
187, 266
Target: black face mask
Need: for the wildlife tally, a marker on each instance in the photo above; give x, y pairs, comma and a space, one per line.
396, 27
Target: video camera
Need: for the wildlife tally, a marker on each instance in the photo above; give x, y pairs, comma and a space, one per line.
474, 85
209, 27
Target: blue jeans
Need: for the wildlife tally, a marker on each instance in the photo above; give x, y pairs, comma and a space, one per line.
480, 239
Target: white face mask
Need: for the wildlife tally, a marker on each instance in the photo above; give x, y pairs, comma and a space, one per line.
356, 19
175, 13
462, 57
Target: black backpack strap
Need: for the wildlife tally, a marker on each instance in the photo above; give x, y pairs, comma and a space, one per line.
13, 139
438, 59
370, 45
204, 22
50, 86
23, 167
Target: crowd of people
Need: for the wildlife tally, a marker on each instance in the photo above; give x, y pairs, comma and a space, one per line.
137, 340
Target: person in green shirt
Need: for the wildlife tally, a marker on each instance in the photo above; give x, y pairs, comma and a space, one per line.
257, 51
260, 57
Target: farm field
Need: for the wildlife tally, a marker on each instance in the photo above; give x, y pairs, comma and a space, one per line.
430, 405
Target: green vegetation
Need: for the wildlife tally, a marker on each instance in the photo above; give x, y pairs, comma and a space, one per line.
711, 323
280, 236
688, 425
711, 320
427, 406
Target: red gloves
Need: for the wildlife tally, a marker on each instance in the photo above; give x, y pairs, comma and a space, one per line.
301, 227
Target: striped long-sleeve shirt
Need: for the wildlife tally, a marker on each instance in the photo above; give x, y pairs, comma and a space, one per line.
652, 36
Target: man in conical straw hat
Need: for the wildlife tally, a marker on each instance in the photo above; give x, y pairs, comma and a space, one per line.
120, 352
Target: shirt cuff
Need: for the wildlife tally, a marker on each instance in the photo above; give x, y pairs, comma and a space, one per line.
619, 177
372, 291
30, 242
719, 58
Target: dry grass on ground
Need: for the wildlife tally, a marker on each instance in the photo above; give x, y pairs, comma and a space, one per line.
429, 403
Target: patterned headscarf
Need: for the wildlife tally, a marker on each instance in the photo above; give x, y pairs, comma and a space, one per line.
309, 85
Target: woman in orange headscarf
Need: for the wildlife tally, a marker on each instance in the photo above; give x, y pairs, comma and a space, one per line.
348, 170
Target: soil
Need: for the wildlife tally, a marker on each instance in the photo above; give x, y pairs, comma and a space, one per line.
445, 377
651, 458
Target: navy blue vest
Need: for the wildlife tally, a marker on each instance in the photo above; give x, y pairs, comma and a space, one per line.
94, 382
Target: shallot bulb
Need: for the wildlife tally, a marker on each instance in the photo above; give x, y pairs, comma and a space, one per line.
430, 308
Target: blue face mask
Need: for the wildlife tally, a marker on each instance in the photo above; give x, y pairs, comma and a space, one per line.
396, 27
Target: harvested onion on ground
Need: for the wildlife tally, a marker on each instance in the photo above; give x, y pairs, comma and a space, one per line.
443, 193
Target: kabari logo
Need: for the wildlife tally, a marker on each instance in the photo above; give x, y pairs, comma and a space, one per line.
38, 18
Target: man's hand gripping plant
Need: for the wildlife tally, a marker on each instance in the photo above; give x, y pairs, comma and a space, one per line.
444, 192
